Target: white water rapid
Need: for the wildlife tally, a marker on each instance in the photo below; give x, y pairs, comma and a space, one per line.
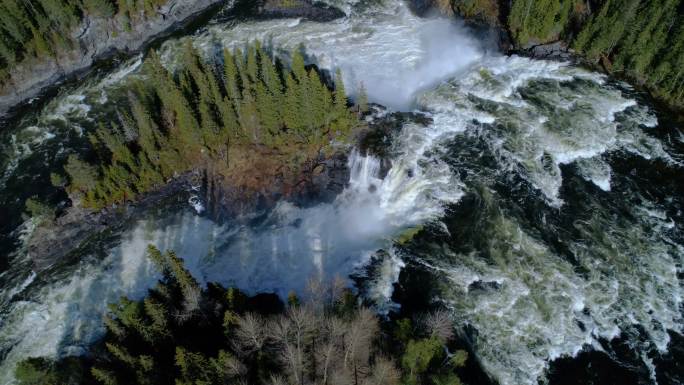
534, 116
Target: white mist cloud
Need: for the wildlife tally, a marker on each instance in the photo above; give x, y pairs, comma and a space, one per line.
444, 48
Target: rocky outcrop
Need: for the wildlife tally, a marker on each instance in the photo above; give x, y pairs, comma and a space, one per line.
319, 181
96, 41
249, 192
557, 50
298, 9
265, 181
383, 128
52, 241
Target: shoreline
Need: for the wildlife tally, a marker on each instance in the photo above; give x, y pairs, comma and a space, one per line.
106, 53
98, 46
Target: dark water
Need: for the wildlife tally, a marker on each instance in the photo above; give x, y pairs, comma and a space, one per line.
492, 194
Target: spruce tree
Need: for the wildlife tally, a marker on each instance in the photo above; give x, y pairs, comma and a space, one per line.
341, 111
231, 76
362, 99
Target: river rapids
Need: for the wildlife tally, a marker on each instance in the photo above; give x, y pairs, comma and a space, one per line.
550, 199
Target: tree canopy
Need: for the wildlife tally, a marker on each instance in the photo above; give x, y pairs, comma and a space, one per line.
227, 337
42, 29
211, 115
640, 39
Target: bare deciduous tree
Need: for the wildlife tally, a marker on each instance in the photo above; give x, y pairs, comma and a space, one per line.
322, 295
337, 287
330, 347
250, 335
439, 325
292, 333
358, 341
384, 372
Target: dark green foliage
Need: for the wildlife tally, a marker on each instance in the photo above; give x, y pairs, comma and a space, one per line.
324, 338
34, 371
539, 20
642, 40
57, 180
41, 371
195, 118
39, 211
419, 354
362, 99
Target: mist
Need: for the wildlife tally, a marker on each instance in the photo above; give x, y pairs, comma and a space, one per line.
394, 53
446, 48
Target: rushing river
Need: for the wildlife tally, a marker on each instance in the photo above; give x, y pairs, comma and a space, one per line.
551, 199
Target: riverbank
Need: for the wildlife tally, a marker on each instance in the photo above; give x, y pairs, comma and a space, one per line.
98, 42
644, 51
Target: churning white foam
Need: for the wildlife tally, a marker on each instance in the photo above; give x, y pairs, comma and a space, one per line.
294, 245
391, 51
536, 116
542, 115
541, 308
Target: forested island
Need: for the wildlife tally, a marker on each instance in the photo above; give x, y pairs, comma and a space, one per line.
224, 120
247, 126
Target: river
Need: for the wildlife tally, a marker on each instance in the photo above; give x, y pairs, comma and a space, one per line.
550, 199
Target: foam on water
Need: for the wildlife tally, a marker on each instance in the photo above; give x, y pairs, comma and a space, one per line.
294, 245
536, 116
542, 309
66, 113
391, 51
545, 114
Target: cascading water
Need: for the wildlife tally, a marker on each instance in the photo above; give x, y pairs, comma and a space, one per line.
564, 248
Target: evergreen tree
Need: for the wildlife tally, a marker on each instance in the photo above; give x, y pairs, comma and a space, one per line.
341, 110
189, 120
362, 99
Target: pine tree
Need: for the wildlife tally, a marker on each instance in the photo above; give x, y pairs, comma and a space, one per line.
292, 114
341, 111
362, 99
177, 122
82, 175
319, 109
298, 67
268, 110
249, 116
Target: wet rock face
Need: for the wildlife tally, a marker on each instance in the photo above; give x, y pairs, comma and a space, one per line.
382, 129
319, 180
422, 7
97, 41
557, 50
54, 241
306, 9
